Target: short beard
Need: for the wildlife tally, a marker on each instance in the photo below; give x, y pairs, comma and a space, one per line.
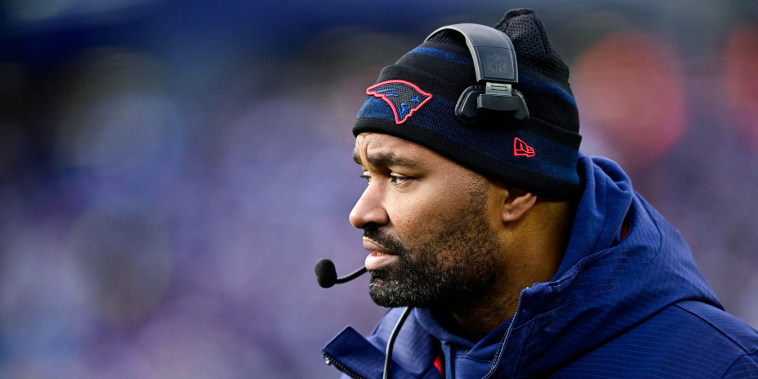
450, 269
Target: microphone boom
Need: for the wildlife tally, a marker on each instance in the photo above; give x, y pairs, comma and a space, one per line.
352, 275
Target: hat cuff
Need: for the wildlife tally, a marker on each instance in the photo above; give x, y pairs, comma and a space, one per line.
546, 173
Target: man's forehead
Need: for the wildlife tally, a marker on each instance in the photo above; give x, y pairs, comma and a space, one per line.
380, 149
378, 142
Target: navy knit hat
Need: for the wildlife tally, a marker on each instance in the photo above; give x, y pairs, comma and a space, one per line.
538, 155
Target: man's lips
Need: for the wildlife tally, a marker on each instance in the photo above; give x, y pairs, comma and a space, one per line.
379, 257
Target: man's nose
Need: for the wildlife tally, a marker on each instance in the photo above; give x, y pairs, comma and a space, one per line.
369, 208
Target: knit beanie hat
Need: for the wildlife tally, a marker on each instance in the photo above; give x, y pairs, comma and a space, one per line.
539, 154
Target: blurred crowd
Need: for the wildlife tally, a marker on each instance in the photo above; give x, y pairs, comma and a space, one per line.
171, 171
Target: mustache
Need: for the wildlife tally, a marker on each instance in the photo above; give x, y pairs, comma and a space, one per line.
373, 233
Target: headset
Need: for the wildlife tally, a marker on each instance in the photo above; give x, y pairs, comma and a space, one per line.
496, 71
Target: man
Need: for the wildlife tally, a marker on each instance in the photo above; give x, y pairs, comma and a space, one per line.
520, 256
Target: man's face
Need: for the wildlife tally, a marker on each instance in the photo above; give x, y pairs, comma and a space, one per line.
428, 224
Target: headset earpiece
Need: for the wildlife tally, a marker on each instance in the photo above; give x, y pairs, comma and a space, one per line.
496, 71
465, 108
471, 110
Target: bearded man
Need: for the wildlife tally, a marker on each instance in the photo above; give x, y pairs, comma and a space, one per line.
510, 252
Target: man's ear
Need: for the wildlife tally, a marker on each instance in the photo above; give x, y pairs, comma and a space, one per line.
517, 203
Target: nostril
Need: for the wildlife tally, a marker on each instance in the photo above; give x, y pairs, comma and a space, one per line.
363, 214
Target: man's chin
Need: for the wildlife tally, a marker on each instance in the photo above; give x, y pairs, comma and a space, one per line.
384, 296
379, 292
392, 294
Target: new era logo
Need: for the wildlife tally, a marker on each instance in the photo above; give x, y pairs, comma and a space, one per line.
521, 149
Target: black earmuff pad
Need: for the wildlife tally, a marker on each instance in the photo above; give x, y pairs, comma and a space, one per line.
466, 108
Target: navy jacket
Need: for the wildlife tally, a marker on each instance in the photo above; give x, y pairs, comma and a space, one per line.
619, 306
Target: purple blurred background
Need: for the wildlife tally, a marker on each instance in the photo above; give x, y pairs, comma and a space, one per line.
171, 170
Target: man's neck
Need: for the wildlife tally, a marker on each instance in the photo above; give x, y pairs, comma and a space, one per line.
532, 251
480, 318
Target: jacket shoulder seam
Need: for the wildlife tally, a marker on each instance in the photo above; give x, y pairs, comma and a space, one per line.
734, 362
713, 326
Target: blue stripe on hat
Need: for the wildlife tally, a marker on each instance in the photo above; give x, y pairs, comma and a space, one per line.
443, 54
546, 88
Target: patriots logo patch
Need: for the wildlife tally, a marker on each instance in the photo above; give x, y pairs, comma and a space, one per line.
403, 97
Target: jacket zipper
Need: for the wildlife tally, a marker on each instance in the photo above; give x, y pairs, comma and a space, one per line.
503, 341
330, 361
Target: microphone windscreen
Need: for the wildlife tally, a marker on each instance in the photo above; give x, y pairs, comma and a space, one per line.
326, 273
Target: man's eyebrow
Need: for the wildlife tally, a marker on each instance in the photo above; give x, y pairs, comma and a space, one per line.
386, 160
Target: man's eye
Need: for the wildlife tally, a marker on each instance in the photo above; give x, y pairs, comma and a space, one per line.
398, 179
366, 176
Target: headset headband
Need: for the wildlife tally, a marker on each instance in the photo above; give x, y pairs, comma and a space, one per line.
496, 68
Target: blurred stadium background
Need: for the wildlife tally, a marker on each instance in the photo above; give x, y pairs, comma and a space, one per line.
171, 170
